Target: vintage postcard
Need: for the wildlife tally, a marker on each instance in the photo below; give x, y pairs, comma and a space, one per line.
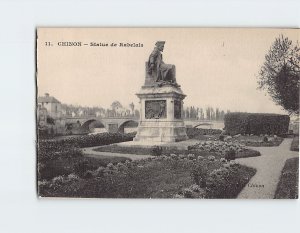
207, 113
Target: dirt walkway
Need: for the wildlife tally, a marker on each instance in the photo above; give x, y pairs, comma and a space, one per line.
89, 152
269, 166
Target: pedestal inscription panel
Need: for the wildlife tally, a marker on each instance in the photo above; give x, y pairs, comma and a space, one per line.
177, 109
155, 109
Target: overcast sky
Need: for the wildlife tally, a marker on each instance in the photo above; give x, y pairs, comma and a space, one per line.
215, 67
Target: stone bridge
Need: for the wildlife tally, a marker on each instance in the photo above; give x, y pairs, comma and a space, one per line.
117, 124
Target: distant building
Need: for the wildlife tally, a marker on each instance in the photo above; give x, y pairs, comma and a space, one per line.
42, 116
52, 105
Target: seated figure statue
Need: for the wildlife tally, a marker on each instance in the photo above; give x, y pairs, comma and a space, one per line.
156, 70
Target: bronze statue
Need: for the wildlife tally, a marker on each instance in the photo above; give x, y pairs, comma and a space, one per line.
157, 69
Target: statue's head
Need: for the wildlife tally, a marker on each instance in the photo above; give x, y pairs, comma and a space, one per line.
160, 45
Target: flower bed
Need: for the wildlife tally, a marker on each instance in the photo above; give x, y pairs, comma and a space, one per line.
197, 133
67, 165
224, 148
156, 177
255, 141
287, 187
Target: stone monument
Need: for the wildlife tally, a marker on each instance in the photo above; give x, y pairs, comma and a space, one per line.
161, 102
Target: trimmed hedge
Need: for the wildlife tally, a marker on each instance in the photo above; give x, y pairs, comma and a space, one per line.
256, 123
89, 140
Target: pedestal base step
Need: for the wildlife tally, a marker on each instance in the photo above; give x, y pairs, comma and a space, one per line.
161, 134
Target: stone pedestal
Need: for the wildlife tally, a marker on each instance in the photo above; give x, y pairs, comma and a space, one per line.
161, 114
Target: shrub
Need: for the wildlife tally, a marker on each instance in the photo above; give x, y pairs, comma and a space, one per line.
199, 175
81, 168
221, 137
256, 123
156, 151
188, 193
219, 147
265, 139
230, 155
88, 174
52, 169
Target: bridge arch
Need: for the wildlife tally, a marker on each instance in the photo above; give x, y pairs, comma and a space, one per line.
130, 123
203, 124
92, 123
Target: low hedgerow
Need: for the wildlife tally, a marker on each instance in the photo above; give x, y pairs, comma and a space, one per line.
89, 140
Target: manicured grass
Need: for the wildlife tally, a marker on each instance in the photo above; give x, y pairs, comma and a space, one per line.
287, 187
295, 144
66, 165
167, 150
138, 150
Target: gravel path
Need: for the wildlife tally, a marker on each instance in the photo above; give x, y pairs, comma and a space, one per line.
89, 152
269, 166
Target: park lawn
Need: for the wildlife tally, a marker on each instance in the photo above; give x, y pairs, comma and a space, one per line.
257, 141
287, 187
150, 179
295, 144
248, 140
139, 150
67, 165
169, 150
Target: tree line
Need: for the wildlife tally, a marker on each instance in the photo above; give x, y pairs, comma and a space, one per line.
116, 110
208, 113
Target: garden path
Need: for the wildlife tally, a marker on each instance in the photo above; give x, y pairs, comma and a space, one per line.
269, 166
90, 152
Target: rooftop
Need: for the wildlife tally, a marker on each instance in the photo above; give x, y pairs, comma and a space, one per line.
47, 99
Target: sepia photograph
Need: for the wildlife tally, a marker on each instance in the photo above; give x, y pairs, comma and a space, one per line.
167, 113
